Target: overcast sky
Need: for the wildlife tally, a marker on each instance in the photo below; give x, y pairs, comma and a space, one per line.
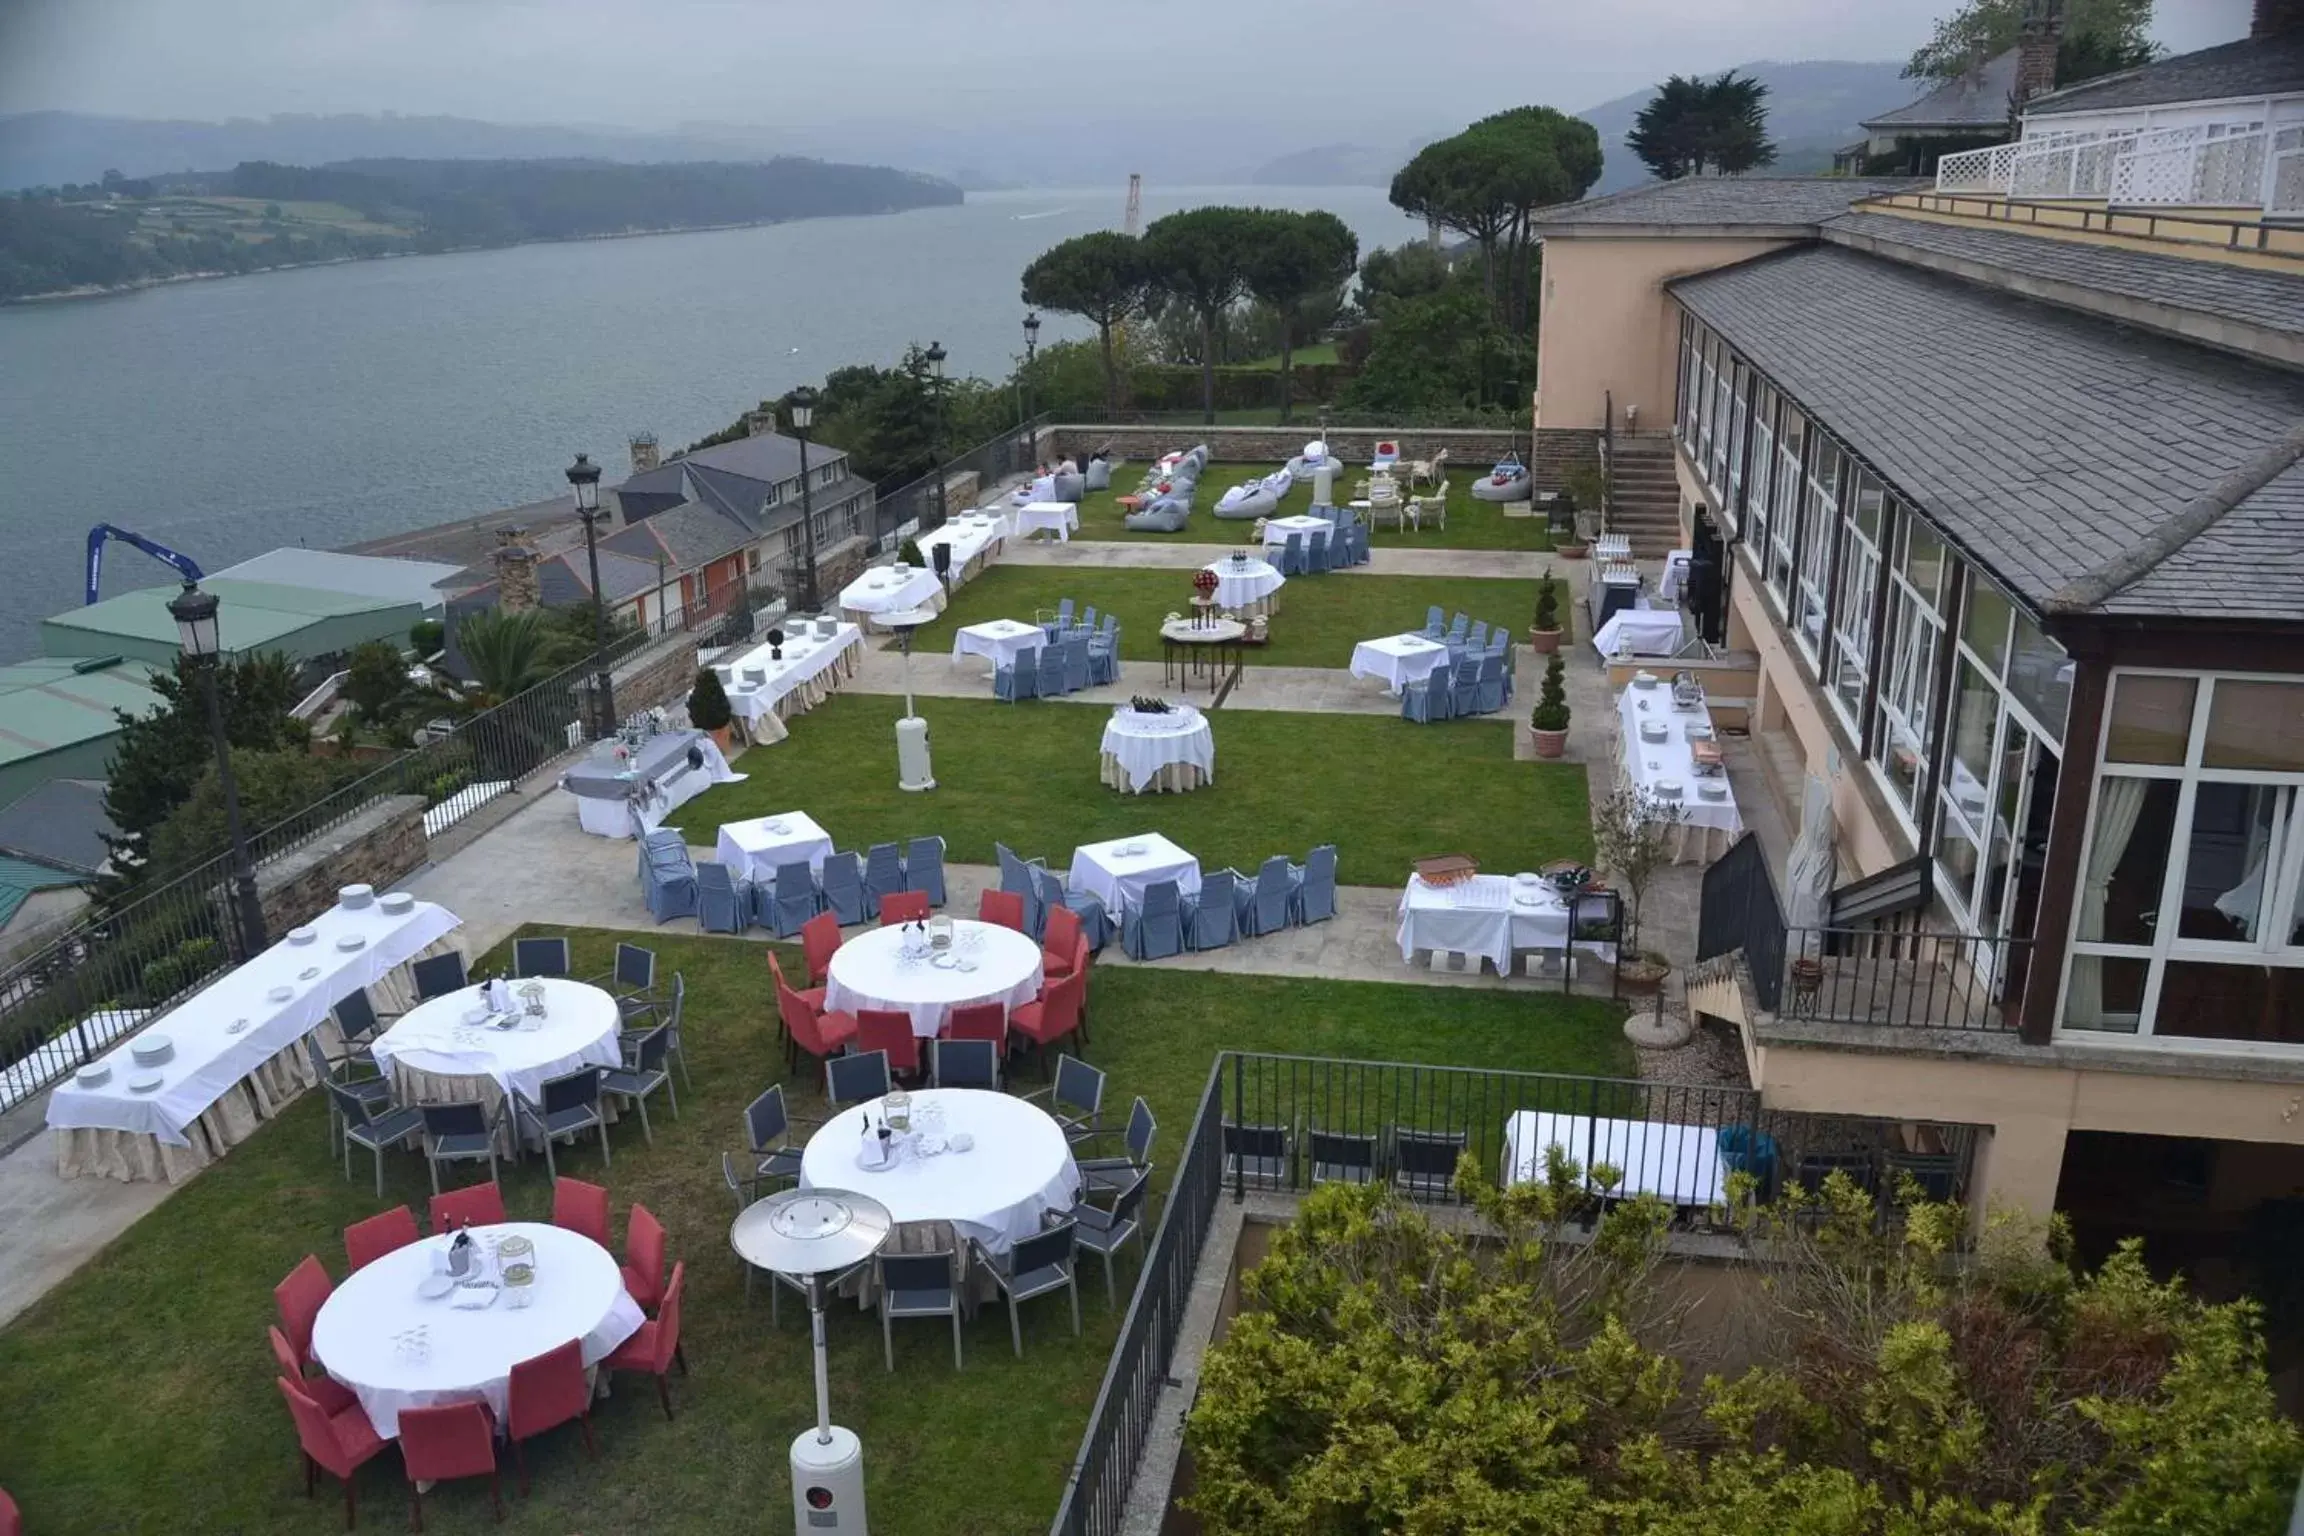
809, 63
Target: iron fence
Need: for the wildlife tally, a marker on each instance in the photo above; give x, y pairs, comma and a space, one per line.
1096, 1493
1740, 911
913, 507
1909, 980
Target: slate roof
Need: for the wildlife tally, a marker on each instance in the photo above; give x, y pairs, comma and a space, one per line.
2268, 66
2042, 441
2273, 300
1769, 202
1976, 101
688, 536
470, 543
20, 879
60, 825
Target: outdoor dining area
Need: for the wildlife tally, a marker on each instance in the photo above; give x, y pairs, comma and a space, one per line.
626, 786
1053, 656
1451, 669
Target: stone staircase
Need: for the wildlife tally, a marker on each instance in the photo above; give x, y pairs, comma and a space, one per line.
1647, 495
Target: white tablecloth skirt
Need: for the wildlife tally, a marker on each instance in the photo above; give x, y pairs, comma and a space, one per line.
879, 591
998, 1193
1119, 879
972, 543
1277, 529
1641, 632
869, 971
432, 1060
615, 818
1141, 753
1246, 586
1170, 779
795, 685
753, 851
1708, 826
997, 641
1478, 917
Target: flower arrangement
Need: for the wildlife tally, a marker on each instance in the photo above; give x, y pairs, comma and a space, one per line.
1204, 582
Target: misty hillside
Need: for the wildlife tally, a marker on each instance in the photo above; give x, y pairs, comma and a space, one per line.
1813, 109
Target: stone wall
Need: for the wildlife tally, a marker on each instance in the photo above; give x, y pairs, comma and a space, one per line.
1473, 448
657, 676
380, 846
1560, 449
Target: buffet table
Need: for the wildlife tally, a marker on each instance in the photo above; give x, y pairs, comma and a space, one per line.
885, 589
1660, 768
238, 1047
972, 538
1641, 632
1679, 1164
626, 795
765, 688
1173, 753
1487, 918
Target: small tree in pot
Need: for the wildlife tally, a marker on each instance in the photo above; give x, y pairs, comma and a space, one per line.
1549, 719
708, 706
1632, 837
1544, 633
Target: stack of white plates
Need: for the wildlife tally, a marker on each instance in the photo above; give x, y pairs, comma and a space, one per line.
150, 1082
1653, 730
152, 1050
351, 943
1670, 789
301, 935
353, 897
1712, 789
94, 1075
397, 902
1644, 679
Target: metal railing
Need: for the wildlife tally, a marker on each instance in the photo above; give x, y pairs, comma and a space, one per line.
1740, 911
2206, 165
1952, 981
1096, 1492
911, 508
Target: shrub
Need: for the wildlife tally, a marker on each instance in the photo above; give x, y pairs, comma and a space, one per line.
426, 636
188, 963
708, 702
1547, 601
1551, 711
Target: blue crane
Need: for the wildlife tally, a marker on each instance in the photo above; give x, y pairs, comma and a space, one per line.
181, 564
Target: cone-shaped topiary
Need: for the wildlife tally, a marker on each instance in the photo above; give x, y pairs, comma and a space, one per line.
708, 702
1547, 602
1551, 711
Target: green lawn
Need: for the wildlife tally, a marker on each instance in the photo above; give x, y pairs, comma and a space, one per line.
1472, 524
1307, 356
1320, 619
143, 1388
1384, 791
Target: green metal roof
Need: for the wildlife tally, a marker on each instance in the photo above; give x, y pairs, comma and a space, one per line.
51, 703
254, 616
19, 878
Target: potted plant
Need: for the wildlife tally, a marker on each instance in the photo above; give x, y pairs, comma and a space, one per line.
1632, 836
1583, 491
1549, 719
1544, 633
708, 707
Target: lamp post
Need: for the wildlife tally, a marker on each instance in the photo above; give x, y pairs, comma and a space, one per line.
1031, 350
584, 479
802, 404
198, 634
935, 359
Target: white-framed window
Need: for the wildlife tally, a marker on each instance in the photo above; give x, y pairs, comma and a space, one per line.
1684, 396
1783, 518
1708, 366
1819, 519
2189, 918
1904, 737
1739, 424
1752, 512
1849, 665
1723, 385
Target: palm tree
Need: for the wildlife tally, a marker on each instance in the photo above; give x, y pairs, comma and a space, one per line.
506, 653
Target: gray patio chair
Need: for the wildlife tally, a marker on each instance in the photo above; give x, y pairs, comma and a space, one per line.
796, 898
631, 981
343, 1075
357, 1021
1316, 557
1020, 679
1016, 878
1051, 682
883, 872
1050, 890
1262, 1155
1107, 1175
843, 886
1106, 1233
767, 1127
1044, 1262
540, 957
1488, 692
463, 1132
924, 868
1340, 1157
857, 1079
438, 976
966, 1063
1313, 886
668, 882
642, 1074
919, 1285
1075, 1099
1076, 669
1292, 556
1424, 1162
723, 902
374, 1128
569, 1105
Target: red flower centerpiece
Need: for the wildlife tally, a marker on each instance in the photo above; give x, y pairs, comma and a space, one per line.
1204, 583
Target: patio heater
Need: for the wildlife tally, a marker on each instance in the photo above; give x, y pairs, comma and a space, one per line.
816, 1235
913, 772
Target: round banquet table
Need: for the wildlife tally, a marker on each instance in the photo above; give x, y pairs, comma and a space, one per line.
1172, 753
1246, 585
434, 1057
872, 971
579, 1294
997, 1192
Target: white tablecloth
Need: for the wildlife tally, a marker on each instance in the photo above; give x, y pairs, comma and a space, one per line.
1650, 763
1020, 1168
1143, 745
579, 1027
1060, 517
1642, 631
1277, 529
809, 668
210, 1058
1244, 583
1398, 659
674, 787
1119, 879
970, 535
468, 1355
872, 971
754, 848
1480, 917
1679, 1164
998, 640
881, 590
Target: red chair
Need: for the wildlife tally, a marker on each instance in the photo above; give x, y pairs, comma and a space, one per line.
332, 1395
480, 1206
450, 1441
1003, 907
820, 941
884, 1029
341, 1442
300, 1298
11, 1523
809, 1030
547, 1392
644, 1257
367, 1241
1053, 1016
1062, 944
979, 1021
657, 1343
581, 1208
903, 907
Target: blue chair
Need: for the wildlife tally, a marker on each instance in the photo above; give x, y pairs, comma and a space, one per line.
1095, 922
1076, 665
1316, 557
1427, 700
1490, 691
1111, 629
1263, 907
1210, 921
924, 868
668, 882
1104, 659
1456, 628
1435, 622
1063, 621
1477, 640
1020, 679
1466, 687
1016, 878
1292, 556
786, 906
1051, 671
1362, 554
1314, 894
843, 886
1154, 929
668, 841
883, 872
1088, 618
723, 902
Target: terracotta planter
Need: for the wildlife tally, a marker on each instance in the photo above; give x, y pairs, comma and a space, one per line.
1570, 551
1550, 743
721, 736
1544, 641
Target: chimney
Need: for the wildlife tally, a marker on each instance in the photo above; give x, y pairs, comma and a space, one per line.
645, 455
759, 423
2042, 29
516, 588
2277, 18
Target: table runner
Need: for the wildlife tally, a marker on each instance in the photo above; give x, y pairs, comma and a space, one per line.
663, 773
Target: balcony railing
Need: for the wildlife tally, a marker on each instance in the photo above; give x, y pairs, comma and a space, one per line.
1952, 981
2214, 165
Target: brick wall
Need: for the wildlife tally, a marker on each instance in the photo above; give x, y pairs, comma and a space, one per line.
1559, 449
1467, 447
380, 847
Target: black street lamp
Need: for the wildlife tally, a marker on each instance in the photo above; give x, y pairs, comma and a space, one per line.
198, 634
935, 359
1031, 349
802, 404
584, 480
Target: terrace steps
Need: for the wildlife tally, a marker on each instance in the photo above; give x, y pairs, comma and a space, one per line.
1645, 488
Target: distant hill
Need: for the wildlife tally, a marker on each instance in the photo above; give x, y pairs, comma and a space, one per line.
1813, 109
1331, 165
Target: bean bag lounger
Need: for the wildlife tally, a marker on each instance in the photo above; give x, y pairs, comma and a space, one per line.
1099, 474
1070, 487
1244, 503
1280, 482
1167, 515
1508, 481
1307, 464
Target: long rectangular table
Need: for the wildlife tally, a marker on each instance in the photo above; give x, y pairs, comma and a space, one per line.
763, 686
238, 1053
626, 798
971, 536
1709, 826
1480, 917
1679, 1164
